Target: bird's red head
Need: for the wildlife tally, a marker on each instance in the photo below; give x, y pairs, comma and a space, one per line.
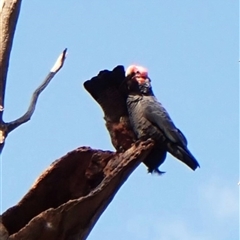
139, 73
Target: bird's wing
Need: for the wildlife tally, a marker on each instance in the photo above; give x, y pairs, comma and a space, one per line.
158, 116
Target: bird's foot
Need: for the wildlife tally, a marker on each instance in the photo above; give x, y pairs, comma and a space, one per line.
156, 171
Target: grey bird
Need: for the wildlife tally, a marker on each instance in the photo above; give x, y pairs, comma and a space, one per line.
149, 119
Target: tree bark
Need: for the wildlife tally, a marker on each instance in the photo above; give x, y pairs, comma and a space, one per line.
9, 12
68, 198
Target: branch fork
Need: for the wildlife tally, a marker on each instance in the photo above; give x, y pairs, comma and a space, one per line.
6, 128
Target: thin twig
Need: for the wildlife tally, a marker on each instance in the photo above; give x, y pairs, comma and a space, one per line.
26, 117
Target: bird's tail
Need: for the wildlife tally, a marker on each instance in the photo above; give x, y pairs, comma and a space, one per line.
184, 155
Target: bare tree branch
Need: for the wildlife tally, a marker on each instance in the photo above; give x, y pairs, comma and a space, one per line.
9, 12
6, 128
26, 117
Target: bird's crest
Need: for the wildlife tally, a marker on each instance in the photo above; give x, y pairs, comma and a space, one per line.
135, 69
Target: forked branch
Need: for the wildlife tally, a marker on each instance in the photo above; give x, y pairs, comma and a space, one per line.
9, 12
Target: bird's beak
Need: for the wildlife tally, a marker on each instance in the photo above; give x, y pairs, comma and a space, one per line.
143, 80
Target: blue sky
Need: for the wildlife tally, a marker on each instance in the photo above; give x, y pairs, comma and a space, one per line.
191, 51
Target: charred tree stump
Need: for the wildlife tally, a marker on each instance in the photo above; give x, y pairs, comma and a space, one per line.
66, 201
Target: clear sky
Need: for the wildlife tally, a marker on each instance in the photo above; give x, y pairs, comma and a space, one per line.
191, 51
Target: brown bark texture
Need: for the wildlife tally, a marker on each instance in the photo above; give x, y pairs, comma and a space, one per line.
68, 198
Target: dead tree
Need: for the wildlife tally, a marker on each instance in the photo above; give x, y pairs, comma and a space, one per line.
68, 198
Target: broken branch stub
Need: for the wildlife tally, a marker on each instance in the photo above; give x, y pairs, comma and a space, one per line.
106, 89
60, 61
